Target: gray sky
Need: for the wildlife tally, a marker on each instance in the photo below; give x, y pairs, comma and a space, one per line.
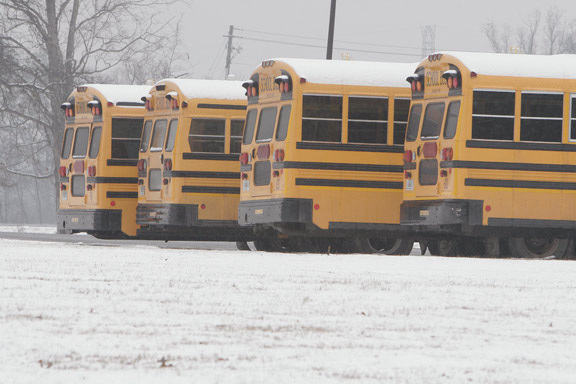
392, 28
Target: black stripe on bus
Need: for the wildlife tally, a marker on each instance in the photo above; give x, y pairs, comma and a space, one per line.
349, 147
412, 166
222, 106
337, 166
64, 179
246, 168
223, 190
130, 104
121, 195
203, 174
112, 180
508, 166
210, 156
350, 183
521, 184
122, 162
521, 146
531, 223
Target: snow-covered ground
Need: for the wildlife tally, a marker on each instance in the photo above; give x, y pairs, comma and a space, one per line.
138, 314
28, 228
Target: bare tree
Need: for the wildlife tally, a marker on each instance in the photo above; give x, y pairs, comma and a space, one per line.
554, 30
50, 46
500, 41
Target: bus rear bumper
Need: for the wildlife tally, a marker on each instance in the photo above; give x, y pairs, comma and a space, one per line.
101, 220
441, 212
167, 214
275, 211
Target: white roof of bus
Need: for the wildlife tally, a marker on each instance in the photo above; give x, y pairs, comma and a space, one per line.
121, 93
209, 89
504, 64
352, 72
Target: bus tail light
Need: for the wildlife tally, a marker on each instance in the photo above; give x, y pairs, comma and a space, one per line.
264, 151
409, 156
167, 164
407, 175
91, 171
89, 187
62, 187
447, 154
165, 181
278, 155
244, 176
140, 182
245, 158
142, 165
63, 171
430, 150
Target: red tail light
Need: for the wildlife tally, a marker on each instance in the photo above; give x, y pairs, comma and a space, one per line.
430, 150
409, 156
140, 182
167, 164
278, 155
244, 176
62, 187
447, 154
63, 171
91, 171
174, 103
407, 175
244, 158
142, 165
264, 151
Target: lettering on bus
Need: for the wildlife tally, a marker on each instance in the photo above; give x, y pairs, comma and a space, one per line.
269, 90
435, 83
82, 108
162, 103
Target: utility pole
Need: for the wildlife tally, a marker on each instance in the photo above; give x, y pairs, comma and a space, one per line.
331, 31
230, 36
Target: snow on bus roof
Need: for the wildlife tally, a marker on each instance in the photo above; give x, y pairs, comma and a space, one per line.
352, 72
518, 65
209, 89
121, 93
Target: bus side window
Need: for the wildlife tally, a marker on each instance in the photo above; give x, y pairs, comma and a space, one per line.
236, 127
81, 143
159, 135
126, 138
414, 122
322, 118
171, 139
250, 126
146, 136
451, 120
67, 142
572, 118
433, 118
493, 115
95, 142
401, 108
283, 122
207, 135
367, 120
541, 117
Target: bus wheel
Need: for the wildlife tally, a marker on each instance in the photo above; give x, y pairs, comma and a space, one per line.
535, 247
449, 247
269, 244
433, 248
381, 245
242, 246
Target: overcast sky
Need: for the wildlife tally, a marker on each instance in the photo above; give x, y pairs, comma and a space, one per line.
392, 28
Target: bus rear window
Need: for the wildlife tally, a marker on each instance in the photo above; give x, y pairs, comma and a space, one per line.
414, 122
171, 139
493, 115
236, 127
67, 143
451, 120
367, 120
158, 136
95, 142
322, 118
126, 138
250, 125
433, 118
81, 143
146, 136
283, 122
266, 124
207, 135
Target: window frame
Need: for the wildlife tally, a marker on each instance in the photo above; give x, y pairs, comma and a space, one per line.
77, 130
223, 136
385, 122
512, 116
98, 145
524, 119
341, 119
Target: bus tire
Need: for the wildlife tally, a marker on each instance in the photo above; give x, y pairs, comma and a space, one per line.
534, 247
433, 248
242, 246
269, 244
379, 246
449, 247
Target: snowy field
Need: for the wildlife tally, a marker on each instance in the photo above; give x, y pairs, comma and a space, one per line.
48, 229
138, 314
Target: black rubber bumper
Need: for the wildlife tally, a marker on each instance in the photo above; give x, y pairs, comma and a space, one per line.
185, 215
441, 212
108, 220
275, 211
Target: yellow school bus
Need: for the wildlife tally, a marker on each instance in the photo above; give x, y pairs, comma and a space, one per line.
321, 158
189, 176
98, 177
490, 154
